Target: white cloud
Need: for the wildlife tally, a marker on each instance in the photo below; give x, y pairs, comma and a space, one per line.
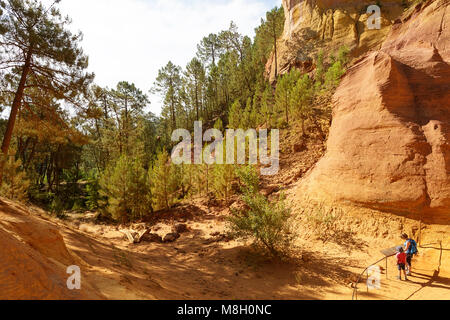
130, 40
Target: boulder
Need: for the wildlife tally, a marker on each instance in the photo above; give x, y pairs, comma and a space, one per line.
171, 237
152, 238
180, 228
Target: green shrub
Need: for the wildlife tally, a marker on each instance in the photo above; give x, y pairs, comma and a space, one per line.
268, 224
78, 205
223, 176
57, 207
323, 221
93, 195
282, 124
327, 79
333, 75
14, 184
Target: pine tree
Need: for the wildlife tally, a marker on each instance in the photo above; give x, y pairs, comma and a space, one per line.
337, 69
185, 175
271, 30
195, 78
247, 117
209, 49
128, 103
283, 92
223, 176
320, 70
267, 102
168, 84
126, 187
301, 99
235, 115
93, 194
40, 54
164, 182
333, 75
222, 182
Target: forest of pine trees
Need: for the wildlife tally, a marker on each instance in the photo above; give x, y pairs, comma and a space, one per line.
69, 144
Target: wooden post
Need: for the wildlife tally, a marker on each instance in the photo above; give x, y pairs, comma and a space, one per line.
387, 258
420, 232
367, 281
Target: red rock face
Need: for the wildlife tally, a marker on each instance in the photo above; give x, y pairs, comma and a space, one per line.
389, 145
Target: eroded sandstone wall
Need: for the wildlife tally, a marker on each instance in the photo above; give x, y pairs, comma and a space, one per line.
312, 25
389, 144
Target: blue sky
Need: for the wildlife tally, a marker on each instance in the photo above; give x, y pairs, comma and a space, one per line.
131, 39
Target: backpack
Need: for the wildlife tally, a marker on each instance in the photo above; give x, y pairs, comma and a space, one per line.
413, 248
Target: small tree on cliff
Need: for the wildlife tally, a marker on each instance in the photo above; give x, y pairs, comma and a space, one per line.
271, 30
320, 70
337, 69
301, 98
283, 92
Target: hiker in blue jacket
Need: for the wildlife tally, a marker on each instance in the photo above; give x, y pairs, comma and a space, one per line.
410, 250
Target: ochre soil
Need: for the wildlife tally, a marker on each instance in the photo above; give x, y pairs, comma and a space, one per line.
33, 264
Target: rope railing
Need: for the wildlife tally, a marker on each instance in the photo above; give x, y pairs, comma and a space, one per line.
355, 289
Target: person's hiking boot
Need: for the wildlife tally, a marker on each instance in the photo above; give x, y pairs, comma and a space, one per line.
399, 278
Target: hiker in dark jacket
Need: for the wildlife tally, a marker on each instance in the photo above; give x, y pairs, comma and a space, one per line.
410, 250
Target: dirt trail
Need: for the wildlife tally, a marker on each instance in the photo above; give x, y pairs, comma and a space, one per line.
195, 267
429, 280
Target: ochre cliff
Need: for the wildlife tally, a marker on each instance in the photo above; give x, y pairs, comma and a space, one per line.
389, 144
312, 25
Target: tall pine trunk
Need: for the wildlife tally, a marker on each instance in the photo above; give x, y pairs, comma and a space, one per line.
276, 55
15, 110
16, 104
